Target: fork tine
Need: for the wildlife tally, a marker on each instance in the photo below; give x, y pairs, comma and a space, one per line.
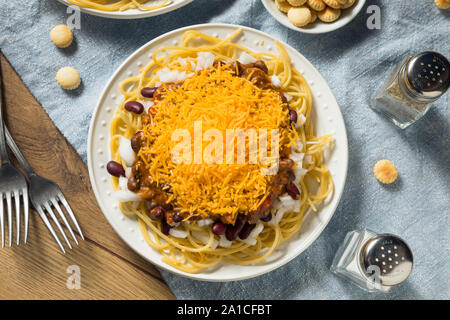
49, 227
2, 220
69, 210
63, 217
17, 205
58, 225
9, 206
26, 211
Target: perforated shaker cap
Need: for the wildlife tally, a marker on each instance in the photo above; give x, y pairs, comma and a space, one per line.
392, 256
427, 75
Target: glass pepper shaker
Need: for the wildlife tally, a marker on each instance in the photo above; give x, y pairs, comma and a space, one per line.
407, 94
374, 262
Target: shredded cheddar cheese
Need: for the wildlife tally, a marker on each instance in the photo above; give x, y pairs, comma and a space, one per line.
220, 101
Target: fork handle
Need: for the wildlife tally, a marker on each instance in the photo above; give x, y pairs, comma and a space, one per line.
3, 151
18, 154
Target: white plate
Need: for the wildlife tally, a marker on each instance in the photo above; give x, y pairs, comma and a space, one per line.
326, 112
347, 15
133, 13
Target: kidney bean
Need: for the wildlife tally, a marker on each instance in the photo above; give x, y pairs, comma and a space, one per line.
115, 169
165, 228
136, 141
148, 92
177, 217
157, 213
234, 230
133, 184
218, 228
267, 218
293, 116
261, 65
290, 174
245, 232
134, 106
293, 191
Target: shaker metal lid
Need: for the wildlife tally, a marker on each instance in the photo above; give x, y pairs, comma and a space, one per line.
428, 75
391, 255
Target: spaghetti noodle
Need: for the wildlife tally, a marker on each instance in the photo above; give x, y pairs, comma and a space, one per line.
191, 245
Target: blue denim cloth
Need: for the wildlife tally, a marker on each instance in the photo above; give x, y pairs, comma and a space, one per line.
354, 61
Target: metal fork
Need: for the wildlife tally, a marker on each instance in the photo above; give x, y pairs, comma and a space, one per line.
46, 195
12, 185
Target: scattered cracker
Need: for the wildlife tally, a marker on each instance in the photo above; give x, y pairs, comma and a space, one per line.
296, 3
385, 171
442, 4
68, 78
329, 14
317, 5
299, 17
348, 4
283, 5
336, 4
61, 36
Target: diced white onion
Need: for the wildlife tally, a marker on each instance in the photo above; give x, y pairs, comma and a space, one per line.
301, 120
204, 222
128, 172
147, 104
299, 172
283, 205
126, 196
276, 81
288, 97
245, 58
299, 148
257, 230
177, 233
224, 242
204, 60
297, 157
126, 152
169, 76
123, 183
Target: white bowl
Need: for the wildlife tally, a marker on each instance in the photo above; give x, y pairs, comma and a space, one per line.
326, 115
347, 15
132, 13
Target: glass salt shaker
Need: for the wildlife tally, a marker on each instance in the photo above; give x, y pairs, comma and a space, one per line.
374, 262
407, 94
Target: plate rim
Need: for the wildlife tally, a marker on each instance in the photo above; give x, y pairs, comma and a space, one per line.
332, 26
125, 16
315, 234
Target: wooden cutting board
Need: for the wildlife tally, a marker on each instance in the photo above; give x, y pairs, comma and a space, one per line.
108, 268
